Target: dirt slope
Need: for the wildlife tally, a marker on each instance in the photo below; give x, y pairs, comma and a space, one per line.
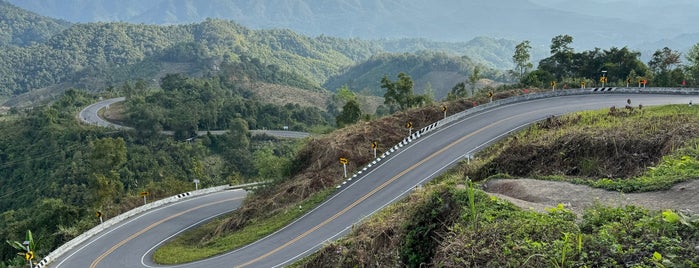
538, 194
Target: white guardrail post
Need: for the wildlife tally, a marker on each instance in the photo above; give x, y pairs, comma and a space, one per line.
113, 221
515, 99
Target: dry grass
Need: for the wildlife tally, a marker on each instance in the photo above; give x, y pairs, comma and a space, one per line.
317, 166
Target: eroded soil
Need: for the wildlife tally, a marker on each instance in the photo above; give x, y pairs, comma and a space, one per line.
539, 194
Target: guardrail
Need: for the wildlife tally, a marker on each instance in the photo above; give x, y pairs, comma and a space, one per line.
443, 122
117, 219
520, 98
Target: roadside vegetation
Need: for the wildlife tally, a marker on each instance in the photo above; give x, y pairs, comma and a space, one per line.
60, 173
57, 174
626, 150
315, 169
450, 223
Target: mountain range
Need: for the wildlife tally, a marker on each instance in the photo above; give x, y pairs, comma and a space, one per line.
596, 23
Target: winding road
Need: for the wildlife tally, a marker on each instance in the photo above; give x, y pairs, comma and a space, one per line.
131, 244
90, 115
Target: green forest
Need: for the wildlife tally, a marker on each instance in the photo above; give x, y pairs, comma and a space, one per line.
56, 173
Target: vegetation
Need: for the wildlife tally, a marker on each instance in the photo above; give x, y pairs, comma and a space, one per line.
431, 227
61, 172
314, 168
438, 70
65, 172
400, 93
180, 250
610, 149
99, 55
449, 223
620, 66
21, 28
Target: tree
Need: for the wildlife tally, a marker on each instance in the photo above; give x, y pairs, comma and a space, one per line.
521, 59
401, 92
340, 98
693, 68
561, 44
459, 90
538, 78
560, 64
662, 64
429, 93
236, 148
107, 155
344, 94
618, 62
663, 60
473, 78
351, 113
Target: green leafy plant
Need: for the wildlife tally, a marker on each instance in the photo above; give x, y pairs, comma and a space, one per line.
25, 247
472, 201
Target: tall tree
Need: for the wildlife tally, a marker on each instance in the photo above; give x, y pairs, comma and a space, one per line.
663, 60
693, 67
560, 64
663, 65
400, 92
521, 59
473, 79
458, 91
561, 44
351, 113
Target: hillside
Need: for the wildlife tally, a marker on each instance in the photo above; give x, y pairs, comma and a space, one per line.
19, 27
535, 20
98, 55
437, 71
450, 224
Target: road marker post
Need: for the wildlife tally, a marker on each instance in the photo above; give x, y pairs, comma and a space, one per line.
374, 145
144, 194
344, 163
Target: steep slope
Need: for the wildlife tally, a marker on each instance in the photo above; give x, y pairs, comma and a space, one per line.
437, 71
97, 55
21, 28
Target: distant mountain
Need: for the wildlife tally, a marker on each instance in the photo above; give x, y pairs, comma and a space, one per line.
21, 28
592, 23
435, 65
96, 56
437, 71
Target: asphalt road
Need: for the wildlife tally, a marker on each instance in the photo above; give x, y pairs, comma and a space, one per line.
391, 179
124, 244
90, 115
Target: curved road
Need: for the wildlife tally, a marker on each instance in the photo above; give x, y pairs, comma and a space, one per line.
391, 179
90, 115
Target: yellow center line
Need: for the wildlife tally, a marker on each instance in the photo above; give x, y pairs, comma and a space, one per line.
355, 203
115, 247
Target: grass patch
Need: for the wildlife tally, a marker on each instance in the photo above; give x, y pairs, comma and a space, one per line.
184, 249
623, 150
498, 234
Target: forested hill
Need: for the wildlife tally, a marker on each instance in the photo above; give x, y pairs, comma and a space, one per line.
98, 55
432, 71
19, 27
602, 23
